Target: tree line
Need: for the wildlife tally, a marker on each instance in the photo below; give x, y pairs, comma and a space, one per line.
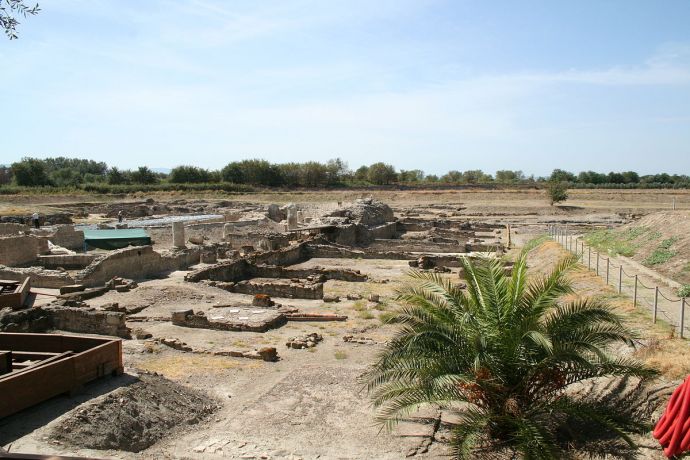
61, 172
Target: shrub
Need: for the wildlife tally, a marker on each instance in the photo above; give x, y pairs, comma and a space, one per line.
557, 191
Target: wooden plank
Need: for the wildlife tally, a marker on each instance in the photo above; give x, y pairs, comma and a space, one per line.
48, 342
98, 362
5, 362
27, 368
31, 387
33, 354
58, 373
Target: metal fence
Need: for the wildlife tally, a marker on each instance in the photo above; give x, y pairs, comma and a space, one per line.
661, 303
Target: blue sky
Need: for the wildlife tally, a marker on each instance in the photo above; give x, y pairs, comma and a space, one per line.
427, 84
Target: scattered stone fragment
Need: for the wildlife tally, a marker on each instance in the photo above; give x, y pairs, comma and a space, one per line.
359, 340
331, 298
374, 298
306, 341
176, 344
354, 296
141, 334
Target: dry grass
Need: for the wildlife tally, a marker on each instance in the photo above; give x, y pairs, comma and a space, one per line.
178, 366
659, 346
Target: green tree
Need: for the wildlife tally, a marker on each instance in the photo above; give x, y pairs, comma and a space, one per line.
381, 174
559, 175
337, 171
362, 173
476, 176
506, 176
30, 172
116, 177
10, 10
452, 177
143, 175
253, 172
189, 174
591, 177
557, 191
412, 175
5, 175
504, 353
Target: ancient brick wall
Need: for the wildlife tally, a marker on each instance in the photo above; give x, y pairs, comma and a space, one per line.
136, 263
92, 322
18, 250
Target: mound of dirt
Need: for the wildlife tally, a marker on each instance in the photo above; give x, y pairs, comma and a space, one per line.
134, 417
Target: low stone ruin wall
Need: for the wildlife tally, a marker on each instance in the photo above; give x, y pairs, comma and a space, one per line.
68, 261
9, 228
18, 249
287, 256
325, 251
43, 319
385, 231
62, 235
279, 288
40, 277
272, 271
136, 263
416, 246
240, 270
233, 271
91, 322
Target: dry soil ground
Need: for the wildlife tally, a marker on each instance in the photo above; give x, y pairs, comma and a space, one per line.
311, 404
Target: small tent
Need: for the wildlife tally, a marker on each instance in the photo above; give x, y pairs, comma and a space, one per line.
116, 238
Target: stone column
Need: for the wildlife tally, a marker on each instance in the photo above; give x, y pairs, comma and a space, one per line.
300, 217
178, 235
292, 217
274, 212
228, 230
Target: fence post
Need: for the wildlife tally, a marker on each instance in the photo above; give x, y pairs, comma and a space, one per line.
620, 279
608, 262
656, 302
682, 317
635, 294
589, 257
597, 263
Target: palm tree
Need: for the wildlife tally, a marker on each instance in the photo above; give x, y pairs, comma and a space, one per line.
505, 353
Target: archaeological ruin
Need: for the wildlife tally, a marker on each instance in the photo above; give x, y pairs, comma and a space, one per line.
222, 284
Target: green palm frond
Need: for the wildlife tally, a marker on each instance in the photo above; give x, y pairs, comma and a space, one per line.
508, 350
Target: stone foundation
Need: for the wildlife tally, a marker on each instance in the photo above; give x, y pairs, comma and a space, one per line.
229, 319
44, 319
288, 289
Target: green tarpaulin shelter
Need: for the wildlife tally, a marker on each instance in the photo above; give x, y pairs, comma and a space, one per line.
116, 239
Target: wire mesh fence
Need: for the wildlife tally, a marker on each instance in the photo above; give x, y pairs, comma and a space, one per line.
659, 300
